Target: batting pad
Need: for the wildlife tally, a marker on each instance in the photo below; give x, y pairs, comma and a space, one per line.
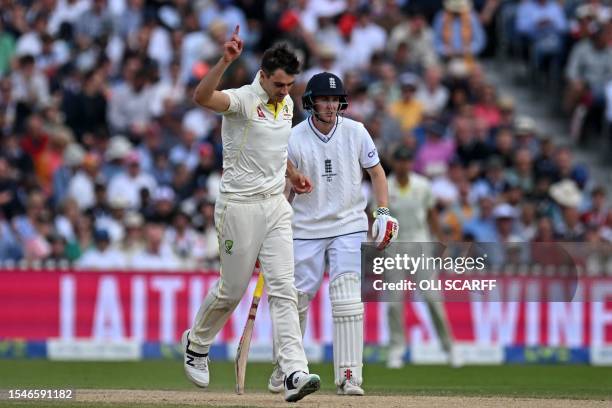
347, 312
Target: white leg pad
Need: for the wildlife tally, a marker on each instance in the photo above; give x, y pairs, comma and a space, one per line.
347, 311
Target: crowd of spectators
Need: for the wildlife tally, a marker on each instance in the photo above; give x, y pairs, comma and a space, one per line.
571, 42
105, 161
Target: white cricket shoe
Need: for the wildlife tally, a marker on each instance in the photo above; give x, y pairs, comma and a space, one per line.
348, 387
299, 384
195, 364
276, 383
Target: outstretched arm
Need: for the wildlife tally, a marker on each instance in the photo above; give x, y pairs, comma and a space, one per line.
206, 94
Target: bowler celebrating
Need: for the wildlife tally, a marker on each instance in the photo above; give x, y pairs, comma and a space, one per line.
252, 216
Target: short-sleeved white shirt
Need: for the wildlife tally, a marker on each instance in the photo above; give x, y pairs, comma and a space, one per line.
254, 142
410, 205
334, 164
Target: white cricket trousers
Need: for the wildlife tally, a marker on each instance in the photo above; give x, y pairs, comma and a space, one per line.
249, 229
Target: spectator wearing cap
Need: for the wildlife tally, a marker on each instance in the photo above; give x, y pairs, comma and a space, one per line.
72, 160
544, 163
504, 146
116, 152
113, 222
408, 110
566, 216
508, 249
435, 150
102, 256
133, 241
506, 105
162, 208
155, 255
526, 133
584, 23
131, 181
431, 92
458, 32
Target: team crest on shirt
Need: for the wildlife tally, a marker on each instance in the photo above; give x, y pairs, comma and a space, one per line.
286, 114
329, 172
260, 113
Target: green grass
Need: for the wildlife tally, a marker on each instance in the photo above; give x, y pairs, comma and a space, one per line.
541, 381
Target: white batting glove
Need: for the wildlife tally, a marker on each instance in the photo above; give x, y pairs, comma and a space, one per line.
384, 228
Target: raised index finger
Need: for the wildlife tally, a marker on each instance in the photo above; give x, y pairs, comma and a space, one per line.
237, 30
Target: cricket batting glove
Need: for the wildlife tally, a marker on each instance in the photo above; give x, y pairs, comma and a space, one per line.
384, 228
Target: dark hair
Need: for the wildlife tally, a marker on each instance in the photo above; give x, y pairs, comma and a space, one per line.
280, 57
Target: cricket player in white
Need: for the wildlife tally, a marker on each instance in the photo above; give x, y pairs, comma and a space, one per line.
252, 216
412, 199
331, 222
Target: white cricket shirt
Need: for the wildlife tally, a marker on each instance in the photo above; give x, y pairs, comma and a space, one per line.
255, 138
334, 163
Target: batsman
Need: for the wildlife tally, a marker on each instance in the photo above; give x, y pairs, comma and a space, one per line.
252, 216
331, 223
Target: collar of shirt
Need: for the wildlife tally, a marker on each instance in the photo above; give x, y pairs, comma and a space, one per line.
320, 135
259, 91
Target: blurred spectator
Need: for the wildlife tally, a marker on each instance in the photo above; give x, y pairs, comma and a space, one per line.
542, 24
416, 39
81, 185
95, 22
431, 93
102, 256
599, 211
30, 90
156, 255
482, 226
185, 241
566, 218
437, 149
7, 49
458, 32
133, 241
408, 110
86, 110
129, 183
129, 109
9, 203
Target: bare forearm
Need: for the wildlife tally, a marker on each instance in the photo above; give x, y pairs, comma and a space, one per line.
379, 184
